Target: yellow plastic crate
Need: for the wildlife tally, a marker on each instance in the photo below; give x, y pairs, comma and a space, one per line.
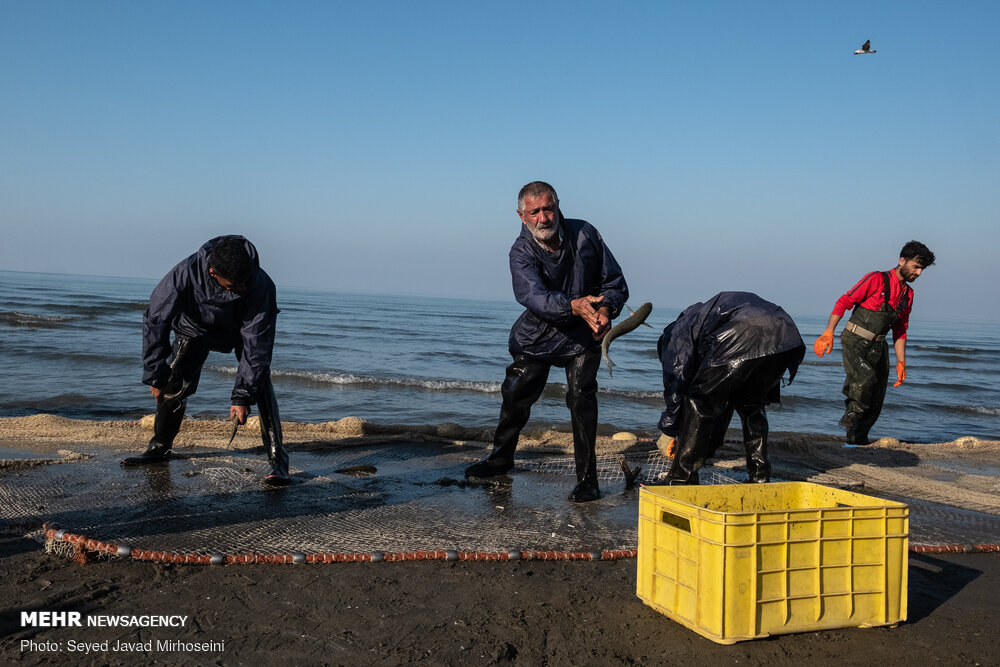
742, 561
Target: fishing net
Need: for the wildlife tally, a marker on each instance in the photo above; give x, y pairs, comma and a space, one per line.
405, 497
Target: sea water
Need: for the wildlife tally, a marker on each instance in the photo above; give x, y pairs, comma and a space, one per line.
71, 346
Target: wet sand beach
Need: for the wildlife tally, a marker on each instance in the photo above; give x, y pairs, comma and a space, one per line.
448, 612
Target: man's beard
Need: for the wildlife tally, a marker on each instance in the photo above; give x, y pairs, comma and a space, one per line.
544, 235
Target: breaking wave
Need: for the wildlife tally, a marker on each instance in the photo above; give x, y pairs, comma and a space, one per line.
355, 381
30, 320
979, 410
370, 382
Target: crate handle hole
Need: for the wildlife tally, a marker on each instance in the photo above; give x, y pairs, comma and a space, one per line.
679, 522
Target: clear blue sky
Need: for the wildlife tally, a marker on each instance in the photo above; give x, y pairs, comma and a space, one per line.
379, 146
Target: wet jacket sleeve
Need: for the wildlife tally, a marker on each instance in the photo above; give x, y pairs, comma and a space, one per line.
531, 291
257, 334
165, 303
680, 362
613, 286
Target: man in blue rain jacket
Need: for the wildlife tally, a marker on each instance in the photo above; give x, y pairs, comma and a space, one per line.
217, 299
571, 287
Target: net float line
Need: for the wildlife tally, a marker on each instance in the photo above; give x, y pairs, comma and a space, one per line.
84, 546
954, 548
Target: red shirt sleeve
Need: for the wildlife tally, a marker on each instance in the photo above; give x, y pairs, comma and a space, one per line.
868, 286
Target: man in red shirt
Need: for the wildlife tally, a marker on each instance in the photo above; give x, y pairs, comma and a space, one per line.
881, 301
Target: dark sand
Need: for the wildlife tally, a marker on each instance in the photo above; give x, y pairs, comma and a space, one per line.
529, 613
438, 612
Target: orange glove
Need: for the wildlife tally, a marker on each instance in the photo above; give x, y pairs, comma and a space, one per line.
900, 373
824, 344
667, 446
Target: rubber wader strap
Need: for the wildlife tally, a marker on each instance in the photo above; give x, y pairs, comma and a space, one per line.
885, 291
885, 295
864, 333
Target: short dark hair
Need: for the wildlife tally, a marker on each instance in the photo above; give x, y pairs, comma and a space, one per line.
536, 189
230, 260
917, 250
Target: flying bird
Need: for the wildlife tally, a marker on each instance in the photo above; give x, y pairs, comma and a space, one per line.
865, 48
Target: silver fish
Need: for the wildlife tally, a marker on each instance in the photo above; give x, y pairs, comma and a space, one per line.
181, 351
232, 436
628, 324
179, 393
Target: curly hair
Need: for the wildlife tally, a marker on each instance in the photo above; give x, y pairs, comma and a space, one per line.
917, 250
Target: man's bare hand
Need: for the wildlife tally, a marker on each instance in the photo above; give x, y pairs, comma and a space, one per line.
156, 394
603, 322
239, 413
597, 318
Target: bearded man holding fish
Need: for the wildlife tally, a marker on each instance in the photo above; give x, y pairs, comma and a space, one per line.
572, 288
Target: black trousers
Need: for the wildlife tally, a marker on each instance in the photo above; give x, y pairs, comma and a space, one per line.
523, 385
715, 394
189, 356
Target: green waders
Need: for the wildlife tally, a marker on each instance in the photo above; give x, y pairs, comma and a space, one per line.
867, 365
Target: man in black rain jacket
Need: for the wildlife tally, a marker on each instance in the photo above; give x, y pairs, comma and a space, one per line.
217, 299
723, 355
571, 287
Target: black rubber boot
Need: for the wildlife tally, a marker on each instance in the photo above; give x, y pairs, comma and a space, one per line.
859, 435
702, 429
685, 464
754, 420
581, 399
522, 386
166, 424
496, 464
585, 491
856, 428
682, 473
850, 420
856, 438
690, 480
855, 434
278, 456
155, 453
185, 369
